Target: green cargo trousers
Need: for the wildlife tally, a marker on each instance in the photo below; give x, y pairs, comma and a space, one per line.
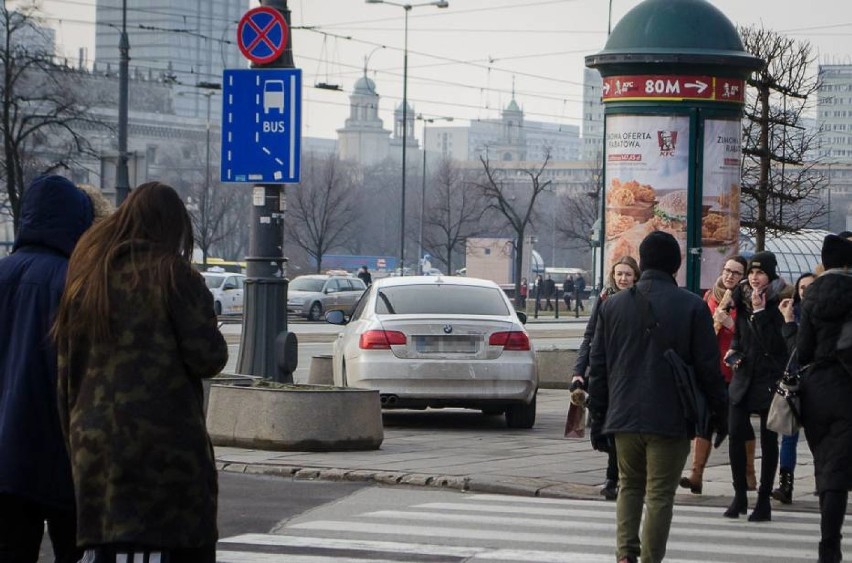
649, 468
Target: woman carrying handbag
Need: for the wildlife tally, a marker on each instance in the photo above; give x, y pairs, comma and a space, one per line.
758, 353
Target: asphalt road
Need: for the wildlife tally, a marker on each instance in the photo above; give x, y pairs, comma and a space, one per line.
258, 504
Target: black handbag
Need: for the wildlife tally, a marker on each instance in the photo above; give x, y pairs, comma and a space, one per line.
692, 400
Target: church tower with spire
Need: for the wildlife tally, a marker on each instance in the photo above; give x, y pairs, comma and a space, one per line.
513, 142
363, 139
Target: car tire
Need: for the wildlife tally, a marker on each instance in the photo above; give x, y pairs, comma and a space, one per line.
217, 308
520, 415
315, 312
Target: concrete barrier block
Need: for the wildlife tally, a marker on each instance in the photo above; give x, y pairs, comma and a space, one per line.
320, 372
555, 367
331, 419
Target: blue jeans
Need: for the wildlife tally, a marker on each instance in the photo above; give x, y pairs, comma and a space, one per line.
787, 459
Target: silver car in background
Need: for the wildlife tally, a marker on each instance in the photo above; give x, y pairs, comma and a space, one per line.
436, 341
312, 295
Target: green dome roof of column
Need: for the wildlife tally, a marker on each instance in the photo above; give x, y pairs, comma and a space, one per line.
675, 31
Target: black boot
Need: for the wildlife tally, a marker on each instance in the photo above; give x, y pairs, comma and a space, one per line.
738, 506
829, 553
762, 509
784, 492
610, 489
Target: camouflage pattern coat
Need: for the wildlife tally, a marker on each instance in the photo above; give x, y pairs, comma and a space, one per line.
131, 410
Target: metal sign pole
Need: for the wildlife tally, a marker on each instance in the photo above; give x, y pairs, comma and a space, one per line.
265, 313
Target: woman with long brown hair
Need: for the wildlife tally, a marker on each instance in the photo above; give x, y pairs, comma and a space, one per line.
136, 333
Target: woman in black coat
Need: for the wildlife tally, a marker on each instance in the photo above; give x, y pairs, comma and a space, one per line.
826, 391
761, 351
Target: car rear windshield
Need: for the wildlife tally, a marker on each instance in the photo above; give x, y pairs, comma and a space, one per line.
214, 281
306, 284
440, 299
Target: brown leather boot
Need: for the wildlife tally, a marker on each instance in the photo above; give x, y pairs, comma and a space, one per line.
700, 453
751, 479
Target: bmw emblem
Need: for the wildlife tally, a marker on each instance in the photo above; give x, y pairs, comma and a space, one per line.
448, 329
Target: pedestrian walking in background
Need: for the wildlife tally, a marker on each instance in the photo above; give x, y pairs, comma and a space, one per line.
579, 288
35, 476
758, 355
720, 300
568, 291
524, 289
791, 310
549, 292
538, 293
826, 390
136, 333
623, 274
364, 276
633, 394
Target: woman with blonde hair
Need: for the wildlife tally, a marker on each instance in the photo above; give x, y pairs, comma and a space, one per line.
136, 333
623, 274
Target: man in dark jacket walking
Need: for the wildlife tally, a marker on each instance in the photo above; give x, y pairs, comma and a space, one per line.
35, 474
634, 395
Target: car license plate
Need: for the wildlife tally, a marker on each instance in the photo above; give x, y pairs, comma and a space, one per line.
445, 344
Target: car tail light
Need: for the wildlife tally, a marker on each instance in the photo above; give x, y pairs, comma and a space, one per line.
381, 339
514, 340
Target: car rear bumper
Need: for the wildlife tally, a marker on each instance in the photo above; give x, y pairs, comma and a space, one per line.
492, 382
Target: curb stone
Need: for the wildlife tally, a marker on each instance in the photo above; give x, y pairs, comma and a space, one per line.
527, 487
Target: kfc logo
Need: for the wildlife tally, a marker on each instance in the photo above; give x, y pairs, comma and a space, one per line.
667, 141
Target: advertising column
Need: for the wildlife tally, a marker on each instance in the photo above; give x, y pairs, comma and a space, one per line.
647, 175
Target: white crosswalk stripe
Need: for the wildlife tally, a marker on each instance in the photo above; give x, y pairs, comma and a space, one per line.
492, 528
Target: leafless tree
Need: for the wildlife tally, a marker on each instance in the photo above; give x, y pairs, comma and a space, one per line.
216, 212
780, 190
578, 212
452, 215
321, 209
514, 200
43, 106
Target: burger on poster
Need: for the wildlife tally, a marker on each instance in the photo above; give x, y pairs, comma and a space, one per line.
672, 207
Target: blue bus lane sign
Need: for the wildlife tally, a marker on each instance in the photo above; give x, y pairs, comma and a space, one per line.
261, 125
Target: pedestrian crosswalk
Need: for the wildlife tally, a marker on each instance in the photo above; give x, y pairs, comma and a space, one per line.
499, 528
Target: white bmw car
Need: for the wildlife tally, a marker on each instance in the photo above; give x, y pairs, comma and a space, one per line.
436, 341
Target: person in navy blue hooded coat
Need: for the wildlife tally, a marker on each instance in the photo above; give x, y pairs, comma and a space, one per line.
35, 474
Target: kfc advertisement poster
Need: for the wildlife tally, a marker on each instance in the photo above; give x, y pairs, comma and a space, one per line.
720, 205
647, 180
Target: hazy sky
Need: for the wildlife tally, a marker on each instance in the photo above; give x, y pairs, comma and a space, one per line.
463, 59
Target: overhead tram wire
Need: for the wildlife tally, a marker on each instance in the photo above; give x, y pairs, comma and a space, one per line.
511, 6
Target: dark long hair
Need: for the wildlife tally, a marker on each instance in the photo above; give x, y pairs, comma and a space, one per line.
153, 214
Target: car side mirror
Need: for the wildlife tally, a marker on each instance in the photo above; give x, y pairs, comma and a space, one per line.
228, 286
522, 317
336, 317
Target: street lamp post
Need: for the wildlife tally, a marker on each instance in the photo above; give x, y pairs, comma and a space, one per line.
122, 178
425, 121
204, 203
407, 8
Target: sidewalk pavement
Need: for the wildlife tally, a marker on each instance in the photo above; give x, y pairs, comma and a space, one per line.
469, 451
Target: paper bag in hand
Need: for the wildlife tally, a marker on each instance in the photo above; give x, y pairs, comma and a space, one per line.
575, 423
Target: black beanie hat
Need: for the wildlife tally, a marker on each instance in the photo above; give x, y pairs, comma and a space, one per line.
764, 261
659, 251
836, 252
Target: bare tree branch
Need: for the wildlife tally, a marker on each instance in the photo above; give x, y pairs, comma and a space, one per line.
515, 202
